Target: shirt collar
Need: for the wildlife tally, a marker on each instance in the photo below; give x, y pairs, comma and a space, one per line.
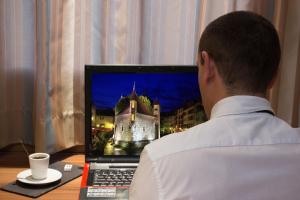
235, 105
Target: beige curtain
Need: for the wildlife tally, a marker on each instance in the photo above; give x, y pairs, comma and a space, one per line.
17, 65
285, 96
45, 43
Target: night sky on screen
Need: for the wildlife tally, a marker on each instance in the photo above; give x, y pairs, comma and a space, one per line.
173, 90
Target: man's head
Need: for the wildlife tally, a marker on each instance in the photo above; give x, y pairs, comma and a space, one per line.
243, 50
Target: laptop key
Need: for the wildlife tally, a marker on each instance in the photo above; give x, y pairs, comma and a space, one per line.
120, 183
127, 183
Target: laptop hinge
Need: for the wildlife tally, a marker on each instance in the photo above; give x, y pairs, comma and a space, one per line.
113, 165
114, 160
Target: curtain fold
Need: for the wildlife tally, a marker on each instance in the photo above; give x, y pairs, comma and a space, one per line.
59, 113
45, 44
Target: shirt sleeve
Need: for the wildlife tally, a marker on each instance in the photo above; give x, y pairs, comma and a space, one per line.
144, 184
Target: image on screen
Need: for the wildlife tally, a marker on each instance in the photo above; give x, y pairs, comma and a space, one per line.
130, 110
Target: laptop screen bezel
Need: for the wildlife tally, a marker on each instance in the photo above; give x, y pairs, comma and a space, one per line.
89, 70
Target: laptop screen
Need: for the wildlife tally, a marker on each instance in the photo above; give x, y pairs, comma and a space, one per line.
129, 106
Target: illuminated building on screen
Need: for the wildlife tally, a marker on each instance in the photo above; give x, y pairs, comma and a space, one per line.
136, 119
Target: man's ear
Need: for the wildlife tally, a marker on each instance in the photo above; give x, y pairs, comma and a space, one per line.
201, 58
208, 67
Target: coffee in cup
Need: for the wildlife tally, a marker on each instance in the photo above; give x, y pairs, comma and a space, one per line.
39, 163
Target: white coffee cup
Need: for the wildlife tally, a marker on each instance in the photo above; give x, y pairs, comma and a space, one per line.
39, 163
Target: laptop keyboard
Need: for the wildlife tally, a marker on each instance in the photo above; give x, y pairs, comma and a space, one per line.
113, 177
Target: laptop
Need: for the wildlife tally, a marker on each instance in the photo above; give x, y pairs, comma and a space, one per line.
126, 108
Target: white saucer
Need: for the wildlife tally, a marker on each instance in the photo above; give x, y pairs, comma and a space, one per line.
25, 177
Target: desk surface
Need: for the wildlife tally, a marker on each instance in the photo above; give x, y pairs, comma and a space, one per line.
11, 163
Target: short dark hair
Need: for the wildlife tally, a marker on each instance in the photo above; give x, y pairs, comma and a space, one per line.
245, 48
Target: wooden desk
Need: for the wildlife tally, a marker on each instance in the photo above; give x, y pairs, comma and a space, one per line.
11, 163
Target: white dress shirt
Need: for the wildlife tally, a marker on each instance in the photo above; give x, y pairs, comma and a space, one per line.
239, 154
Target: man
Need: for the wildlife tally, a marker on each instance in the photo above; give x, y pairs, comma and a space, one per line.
243, 151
